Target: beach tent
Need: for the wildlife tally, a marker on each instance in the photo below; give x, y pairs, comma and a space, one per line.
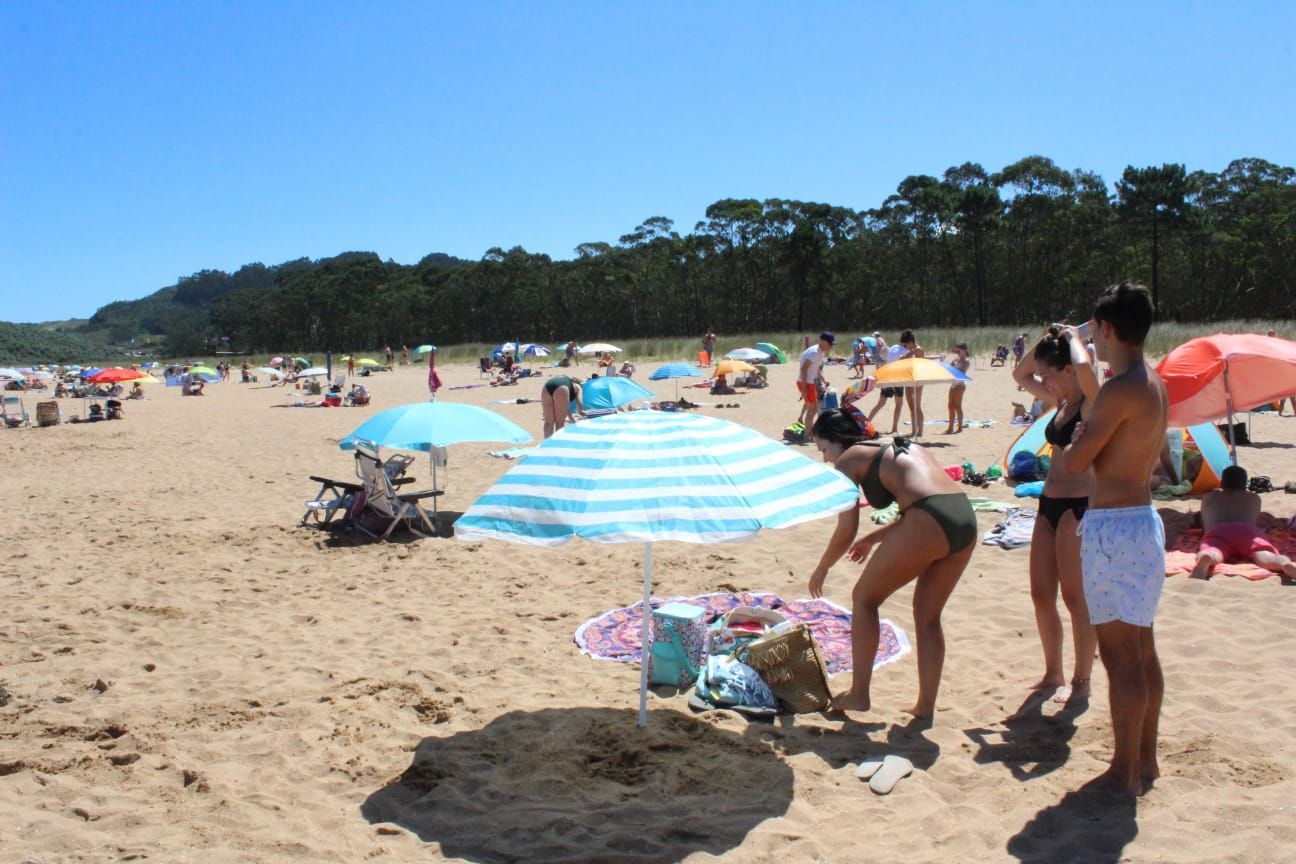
1203, 439
775, 353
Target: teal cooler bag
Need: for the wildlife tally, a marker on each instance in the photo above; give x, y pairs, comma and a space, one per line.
677, 645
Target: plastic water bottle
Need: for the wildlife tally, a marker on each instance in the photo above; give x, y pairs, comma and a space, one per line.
1175, 439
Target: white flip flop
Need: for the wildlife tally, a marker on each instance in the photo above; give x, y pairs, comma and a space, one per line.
893, 769
865, 770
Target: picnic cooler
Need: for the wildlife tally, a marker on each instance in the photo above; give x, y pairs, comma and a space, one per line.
677, 644
47, 414
791, 664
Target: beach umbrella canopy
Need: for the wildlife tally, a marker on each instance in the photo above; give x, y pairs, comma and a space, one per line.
602, 394
647, 476
918, 372
730, 367
748, 354
302, 361
424, 425
776, 353
423, 349
10, 373
676, 371
366, 361
271, 371
1214, 376
116, 375
202, 370
530, 349
313, 372
86, 373
598, 348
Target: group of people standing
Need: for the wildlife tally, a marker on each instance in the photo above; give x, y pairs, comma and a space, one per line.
1097, 538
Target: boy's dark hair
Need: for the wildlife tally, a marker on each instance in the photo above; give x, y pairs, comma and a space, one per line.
1054, 350
1127, 307
907, 336
1234, 477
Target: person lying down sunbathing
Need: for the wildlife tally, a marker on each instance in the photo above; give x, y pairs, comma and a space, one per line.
1229, 516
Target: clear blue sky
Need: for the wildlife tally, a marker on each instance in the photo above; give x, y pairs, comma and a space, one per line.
141, 142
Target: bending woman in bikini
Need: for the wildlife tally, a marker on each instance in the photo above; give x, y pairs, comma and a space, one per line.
1060, 373
931, 541
556, 400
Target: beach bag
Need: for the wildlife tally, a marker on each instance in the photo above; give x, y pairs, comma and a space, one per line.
741, 625
726, 682
1024, 466
795, 433
676, 644
792, 665
829, 399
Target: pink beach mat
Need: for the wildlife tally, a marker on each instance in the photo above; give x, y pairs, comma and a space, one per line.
615, 635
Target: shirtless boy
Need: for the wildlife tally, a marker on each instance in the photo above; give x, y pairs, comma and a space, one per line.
1229, 516
1122, 552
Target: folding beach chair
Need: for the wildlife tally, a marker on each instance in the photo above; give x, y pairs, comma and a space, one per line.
381, 497
335, 496
15, 413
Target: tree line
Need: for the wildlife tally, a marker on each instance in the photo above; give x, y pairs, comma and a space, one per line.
1028, 243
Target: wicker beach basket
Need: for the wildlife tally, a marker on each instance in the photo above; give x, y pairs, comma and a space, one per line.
790, 663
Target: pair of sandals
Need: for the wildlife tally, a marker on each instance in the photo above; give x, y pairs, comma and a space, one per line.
729, 405
1260, 483
972, 478
883, 774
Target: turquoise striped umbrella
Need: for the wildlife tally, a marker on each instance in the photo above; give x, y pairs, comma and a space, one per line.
645, 476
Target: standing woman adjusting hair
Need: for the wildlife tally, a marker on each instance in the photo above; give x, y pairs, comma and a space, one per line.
931, 541
1060, 373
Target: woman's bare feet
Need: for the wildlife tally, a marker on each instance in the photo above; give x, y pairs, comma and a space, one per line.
851, 701
921, 712
1110, 782
1048, 682
1074, 693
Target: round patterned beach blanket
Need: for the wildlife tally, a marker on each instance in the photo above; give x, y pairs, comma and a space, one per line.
615, 635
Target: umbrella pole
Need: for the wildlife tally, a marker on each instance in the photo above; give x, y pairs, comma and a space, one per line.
645, 647
1228, 401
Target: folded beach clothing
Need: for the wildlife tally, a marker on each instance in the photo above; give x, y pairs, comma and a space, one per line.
1014, 531
886, 515
1165, 493
1033, 489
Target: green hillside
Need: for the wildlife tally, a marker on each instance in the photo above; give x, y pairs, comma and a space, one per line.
22, 344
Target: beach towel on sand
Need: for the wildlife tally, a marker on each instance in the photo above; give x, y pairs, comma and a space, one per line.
615, 635
1182, 555
1014, 531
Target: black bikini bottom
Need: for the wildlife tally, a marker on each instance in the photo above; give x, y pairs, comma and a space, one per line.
1053, 509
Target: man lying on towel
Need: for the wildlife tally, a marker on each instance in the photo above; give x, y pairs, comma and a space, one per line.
1229, 516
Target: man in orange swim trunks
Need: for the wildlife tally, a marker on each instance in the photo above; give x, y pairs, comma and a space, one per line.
1229, 516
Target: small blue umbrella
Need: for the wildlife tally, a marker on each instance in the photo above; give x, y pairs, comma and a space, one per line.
645, 476
86, 373
608, 394
675, 370
424, 425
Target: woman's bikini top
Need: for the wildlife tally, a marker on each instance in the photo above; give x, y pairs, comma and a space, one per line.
1061, 437
877, 495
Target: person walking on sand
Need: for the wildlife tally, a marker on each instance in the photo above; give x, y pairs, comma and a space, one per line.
1122, 550
350, 365
1058, 372
810, 375
913, 395
1229, 516
434, 380
890, 355
708, 345
931, 541
960, 362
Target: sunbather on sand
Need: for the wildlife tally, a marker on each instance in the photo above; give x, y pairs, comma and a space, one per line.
1229, 516
931, 541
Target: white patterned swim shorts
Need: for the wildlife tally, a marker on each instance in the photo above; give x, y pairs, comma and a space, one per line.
1122, 558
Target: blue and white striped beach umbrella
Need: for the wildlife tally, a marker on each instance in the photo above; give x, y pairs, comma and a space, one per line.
676, 371
645, 476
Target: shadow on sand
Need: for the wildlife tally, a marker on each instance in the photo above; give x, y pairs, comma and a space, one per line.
1031, 743
1088, 825
583, 784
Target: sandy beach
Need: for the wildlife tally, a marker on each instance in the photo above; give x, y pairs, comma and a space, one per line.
188, 675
